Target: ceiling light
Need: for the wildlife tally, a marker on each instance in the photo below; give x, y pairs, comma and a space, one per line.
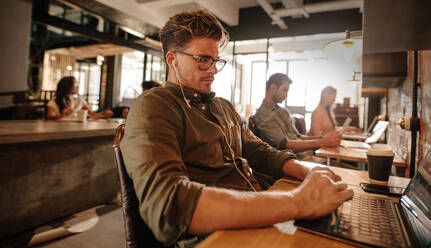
348, 46
100, 59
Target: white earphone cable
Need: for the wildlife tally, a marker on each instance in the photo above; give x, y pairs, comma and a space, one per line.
231, 150
181, 86
224, 134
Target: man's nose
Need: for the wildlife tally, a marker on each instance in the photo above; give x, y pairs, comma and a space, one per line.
213, 68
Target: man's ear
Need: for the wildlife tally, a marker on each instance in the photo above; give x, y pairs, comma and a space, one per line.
272, 88
170, 58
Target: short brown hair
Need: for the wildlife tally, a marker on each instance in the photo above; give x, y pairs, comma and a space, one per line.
277, 79
182, 27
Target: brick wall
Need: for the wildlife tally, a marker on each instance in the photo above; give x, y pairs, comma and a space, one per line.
425, 102
400, 105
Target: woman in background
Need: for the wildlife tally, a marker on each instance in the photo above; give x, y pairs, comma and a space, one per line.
65, 103
323, 118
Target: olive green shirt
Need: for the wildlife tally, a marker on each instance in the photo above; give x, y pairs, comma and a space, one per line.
172, 151
275, 125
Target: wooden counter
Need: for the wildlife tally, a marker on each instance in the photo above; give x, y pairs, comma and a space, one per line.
353, 154
40, 130
51, 169
271, 237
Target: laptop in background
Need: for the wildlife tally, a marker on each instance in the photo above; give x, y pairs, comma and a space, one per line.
347, 122
377, 127
378, 130
369, 220
372, 125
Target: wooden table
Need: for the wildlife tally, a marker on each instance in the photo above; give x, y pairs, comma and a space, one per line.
357, 137
271, 237
352, 154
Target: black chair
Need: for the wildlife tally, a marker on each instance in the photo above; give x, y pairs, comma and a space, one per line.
138, 234
299, 121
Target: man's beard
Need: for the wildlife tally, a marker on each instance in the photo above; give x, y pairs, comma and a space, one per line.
278, 99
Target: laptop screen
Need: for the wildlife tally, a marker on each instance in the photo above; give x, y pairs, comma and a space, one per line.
378, 130
419, 189
373, 124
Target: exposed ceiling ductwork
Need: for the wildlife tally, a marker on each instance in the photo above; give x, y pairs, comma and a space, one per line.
144, 17
296, 9
157, 12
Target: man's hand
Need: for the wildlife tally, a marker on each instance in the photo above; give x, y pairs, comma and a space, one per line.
352, 129
300, 169
333, 139
321, 192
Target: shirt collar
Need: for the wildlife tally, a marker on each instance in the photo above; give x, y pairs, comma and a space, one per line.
191, 94
268, 105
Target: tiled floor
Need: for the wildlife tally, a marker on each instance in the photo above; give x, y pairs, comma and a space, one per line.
108, 232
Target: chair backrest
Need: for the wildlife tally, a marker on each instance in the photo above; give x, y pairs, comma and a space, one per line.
138, 234
252, 125
299, 122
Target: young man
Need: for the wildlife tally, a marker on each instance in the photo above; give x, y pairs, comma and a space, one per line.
276, 126
189, 154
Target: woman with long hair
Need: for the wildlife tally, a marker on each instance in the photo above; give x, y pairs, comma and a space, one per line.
66, 104
323, 118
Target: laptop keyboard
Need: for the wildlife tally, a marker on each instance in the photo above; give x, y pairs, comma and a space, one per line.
370, 219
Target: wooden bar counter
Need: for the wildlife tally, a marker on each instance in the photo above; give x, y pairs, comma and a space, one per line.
51, 169
271, 237
38, 130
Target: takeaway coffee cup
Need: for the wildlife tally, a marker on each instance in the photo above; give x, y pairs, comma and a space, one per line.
82, 115
379, 165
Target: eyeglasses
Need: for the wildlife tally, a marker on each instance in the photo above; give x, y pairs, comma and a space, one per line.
205, 62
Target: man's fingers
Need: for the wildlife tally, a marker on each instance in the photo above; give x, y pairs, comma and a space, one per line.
332, 175
345, 194
339, 186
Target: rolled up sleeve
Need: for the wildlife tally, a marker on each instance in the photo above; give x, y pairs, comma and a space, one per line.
261, 156
152, 156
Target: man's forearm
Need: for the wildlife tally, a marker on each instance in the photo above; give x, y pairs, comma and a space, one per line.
296, 169
307, 137
320, 193
302, 145
225, 209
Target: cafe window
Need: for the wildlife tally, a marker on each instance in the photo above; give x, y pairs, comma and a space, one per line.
258, 82
155, 69
222, 84
77, 16
132, 73
88, 75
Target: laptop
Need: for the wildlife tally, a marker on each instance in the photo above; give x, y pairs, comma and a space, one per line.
378, 130
370, 220
379, 127
347, 122
372, 125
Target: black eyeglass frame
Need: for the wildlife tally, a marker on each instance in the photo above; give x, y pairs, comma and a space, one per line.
200, 60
